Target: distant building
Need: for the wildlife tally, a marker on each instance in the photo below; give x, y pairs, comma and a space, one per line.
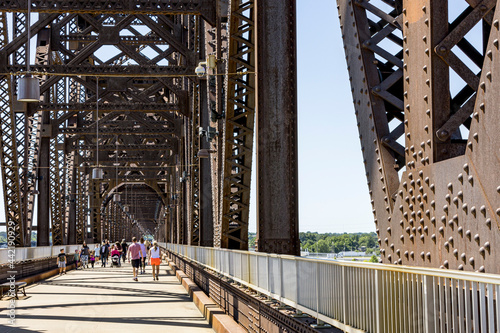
350, 254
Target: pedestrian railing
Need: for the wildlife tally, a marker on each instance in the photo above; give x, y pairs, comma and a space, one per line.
363, 297
28, 253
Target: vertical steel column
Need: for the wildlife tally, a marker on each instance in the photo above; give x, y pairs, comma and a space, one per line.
231, 230
43, 219
71, 210
427, 92
277, 184
206, 217
205, 210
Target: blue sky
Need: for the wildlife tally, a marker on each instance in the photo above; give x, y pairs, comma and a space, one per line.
333, 194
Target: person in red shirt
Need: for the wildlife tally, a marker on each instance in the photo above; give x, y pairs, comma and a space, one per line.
135, 252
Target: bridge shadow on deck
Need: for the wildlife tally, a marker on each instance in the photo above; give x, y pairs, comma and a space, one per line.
103, 300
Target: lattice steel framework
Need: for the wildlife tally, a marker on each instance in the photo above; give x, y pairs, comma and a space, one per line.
239, 128
404, 60
143, 130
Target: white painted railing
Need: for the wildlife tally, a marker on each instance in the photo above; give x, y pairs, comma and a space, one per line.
26, 253
364, 297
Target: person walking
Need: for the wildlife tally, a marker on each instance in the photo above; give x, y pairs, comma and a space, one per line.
92, 258
104, 253
84, 255
135, 252
97, 252
77, 258
144, 256
154, 255
61, 262
118, 247
124, 250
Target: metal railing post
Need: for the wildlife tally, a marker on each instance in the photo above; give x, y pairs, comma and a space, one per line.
378, 302
428, 316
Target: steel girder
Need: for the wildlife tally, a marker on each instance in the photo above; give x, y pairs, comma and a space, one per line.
276, 135
445, 211
206, 8
9, 151
194, 179
237, 146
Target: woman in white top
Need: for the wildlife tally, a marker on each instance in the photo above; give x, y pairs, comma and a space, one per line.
154, 255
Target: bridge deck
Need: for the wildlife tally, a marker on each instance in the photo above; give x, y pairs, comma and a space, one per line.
106, 300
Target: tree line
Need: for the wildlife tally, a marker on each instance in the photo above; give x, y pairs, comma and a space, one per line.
333, 242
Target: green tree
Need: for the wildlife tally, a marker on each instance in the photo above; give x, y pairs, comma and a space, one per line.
374, 259
322, 246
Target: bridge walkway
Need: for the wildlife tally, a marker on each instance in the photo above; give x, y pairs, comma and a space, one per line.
106, 300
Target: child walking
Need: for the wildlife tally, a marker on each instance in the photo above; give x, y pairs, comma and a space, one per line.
92, 258
61, 262
77, 258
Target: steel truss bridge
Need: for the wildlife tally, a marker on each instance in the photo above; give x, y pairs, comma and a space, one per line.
119, 93
118, 89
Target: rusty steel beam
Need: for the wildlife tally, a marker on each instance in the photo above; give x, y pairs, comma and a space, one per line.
231, 229
206, 8
276, 137
445, 210
111, 107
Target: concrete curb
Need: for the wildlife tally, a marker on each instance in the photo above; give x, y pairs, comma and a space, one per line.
221, 322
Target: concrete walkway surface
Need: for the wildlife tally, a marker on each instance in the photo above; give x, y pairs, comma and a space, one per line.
105, 300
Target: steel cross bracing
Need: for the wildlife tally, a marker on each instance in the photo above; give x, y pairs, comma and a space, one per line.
9, 153
146, 129
239, 128
444, 211
150, 107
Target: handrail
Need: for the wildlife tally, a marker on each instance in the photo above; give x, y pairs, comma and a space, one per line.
29, 253
363, 297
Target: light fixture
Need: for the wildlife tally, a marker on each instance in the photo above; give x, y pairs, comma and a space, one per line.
97, 173
116, 197
28, 86
209, 63
205, 153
